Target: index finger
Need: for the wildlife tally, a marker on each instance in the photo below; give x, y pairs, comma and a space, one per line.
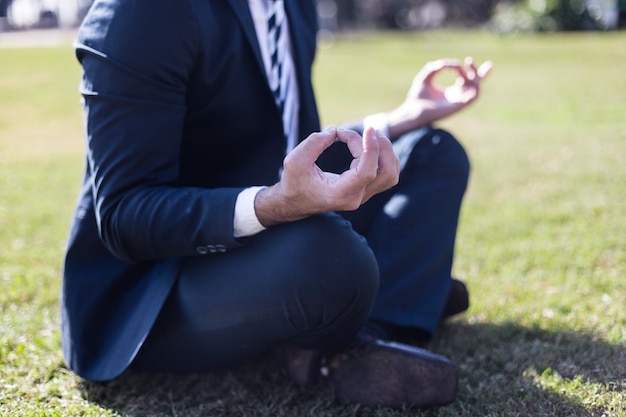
479, 72
353, 141
431, 69
310, 149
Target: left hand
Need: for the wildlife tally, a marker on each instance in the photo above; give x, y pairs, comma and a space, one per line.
427, 102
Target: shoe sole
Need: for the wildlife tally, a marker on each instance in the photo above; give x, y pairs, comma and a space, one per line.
393, 375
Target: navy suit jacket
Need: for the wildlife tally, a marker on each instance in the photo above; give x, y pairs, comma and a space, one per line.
179, 119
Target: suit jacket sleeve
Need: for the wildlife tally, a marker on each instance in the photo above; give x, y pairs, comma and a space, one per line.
135, 84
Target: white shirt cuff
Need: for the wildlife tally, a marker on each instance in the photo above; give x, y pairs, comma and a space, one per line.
245, 222
378, 121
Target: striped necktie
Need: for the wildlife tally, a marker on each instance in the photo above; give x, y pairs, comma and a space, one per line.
279, 76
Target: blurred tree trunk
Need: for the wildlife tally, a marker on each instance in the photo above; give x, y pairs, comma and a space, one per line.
4, 7
621, 13
574, 15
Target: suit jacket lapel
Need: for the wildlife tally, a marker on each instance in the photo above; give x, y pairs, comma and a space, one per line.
303, 48
242, 10
294, 16
303, 31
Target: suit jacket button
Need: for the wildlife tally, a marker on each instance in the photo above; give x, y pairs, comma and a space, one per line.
211, 248
220, 248
202, 250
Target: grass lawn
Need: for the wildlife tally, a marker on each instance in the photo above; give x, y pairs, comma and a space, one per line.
541, 244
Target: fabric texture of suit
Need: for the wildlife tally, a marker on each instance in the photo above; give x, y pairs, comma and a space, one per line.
190, 74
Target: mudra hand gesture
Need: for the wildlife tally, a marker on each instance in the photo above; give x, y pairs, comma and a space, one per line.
304, 189
428, 101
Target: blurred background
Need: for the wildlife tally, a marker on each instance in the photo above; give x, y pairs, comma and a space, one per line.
350, 15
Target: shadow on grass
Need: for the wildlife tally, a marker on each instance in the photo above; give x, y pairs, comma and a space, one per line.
505, 370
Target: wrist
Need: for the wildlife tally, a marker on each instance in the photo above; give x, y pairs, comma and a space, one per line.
378, 121
273, 207
403, 119
245, 222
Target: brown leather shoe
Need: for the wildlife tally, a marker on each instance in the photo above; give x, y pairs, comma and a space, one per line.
389, 374
300, 365
458, 299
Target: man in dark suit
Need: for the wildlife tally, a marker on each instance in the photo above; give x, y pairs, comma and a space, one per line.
206, 232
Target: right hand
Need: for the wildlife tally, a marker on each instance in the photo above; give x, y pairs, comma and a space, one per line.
304, 189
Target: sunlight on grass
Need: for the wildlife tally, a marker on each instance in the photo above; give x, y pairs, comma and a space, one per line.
40, 114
